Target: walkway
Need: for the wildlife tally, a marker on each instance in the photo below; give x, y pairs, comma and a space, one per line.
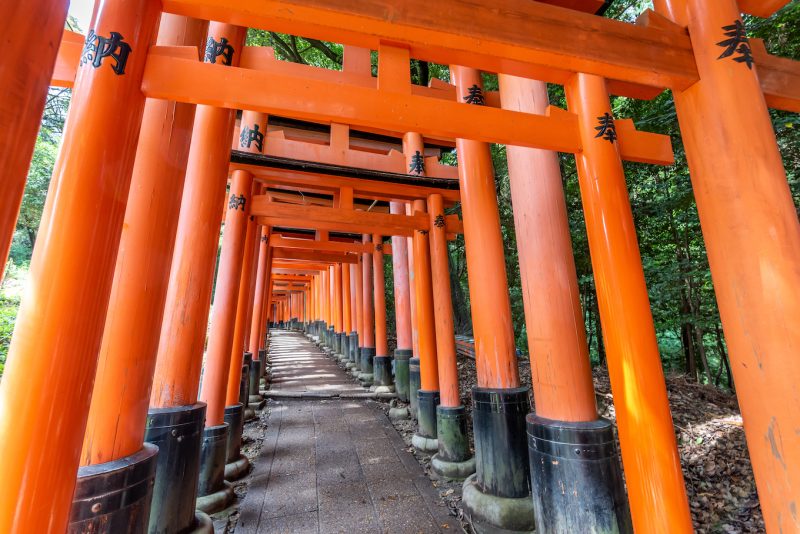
333, 465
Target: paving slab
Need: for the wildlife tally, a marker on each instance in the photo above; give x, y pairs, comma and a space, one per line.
332, 465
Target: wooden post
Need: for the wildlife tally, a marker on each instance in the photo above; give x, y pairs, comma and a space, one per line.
646, 434
25, 74
402, 307
500, 404
44, 401
382, 366
752, 236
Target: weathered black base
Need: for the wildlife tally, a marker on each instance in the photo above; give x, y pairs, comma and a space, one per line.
353, 354
244, 380
425, 439
234, 417
213, 494
501, 448
382, 371
490, 514
413, 386
576, 477
255, 377
453, 460
401, 357
178, 434
114, 496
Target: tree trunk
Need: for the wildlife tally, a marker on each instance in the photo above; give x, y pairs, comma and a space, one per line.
701, 350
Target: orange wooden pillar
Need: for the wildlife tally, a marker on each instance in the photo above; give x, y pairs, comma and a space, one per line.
127, 357
331, 295
647, 437
339, 309
453, 459
752, 237
428, 394
355, 284
500, 404
183, 328
367, 316
413, 145
44, 402
382, 364
264, 323
25, 74
402, 307
344, 349
262, 274
561, 370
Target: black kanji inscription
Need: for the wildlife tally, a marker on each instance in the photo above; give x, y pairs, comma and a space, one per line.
606, 130
438, 222
737, 44
216, 49
235, 202
474, 96
417, 165
96, 48
250, 136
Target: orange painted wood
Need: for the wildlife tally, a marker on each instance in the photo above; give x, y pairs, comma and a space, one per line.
245, 297
426, 328
761, 8
326, 246
69, 55
495, 351
560, 366
25, 72
183, 80
338, 316
262, 273
183, 329
347, 324
402, 298
412, 286
443, 307
311, 255
379, 293
368, 315
52, 359
525, 38
752, 237
117, 415
647, 437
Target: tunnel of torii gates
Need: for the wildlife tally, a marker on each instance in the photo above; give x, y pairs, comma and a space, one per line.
104, 423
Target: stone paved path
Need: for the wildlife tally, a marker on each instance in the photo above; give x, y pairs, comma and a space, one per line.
333, 465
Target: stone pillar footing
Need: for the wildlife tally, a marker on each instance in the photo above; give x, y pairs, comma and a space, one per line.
114, 496
401, 357
581, 456
453, 460
382, 371
491, 514
178, 434
213, 493
425, 440
413, 386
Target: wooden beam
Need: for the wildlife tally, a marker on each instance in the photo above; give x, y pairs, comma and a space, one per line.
307, 267
364, 222
311, 255
170, 77
291, 277
324, 246
523, 38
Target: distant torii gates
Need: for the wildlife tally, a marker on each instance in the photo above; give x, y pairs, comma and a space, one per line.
122, 277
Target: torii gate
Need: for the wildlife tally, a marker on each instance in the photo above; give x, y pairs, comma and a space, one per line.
735, 166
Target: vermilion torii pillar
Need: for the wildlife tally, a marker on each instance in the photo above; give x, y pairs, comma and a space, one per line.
121, 397
646, 434
368, 316
338, 318
402, 307
752, 235
500, 404
453, 459
382, 365
262, 282
24, 94
183, 329
560, 365
355, 306
344, 348
45, 401
425, 439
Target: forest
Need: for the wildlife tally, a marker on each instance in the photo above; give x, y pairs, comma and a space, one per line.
681, 290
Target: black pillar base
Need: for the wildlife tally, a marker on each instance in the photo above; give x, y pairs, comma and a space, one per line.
581, 457
255, 378
244, 378
382, 371
367, 366
178, 434
426, 437
213, 494
414, 382
114, 496
453, 460
401, 357
234, 417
